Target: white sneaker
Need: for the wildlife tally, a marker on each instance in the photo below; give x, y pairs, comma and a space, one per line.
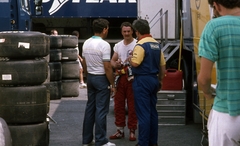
109, 144
91, 143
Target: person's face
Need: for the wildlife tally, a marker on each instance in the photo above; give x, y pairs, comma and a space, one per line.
127, 32
55, 32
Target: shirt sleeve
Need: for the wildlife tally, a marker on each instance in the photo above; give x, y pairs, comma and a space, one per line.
163, 62
106, 52
208, 44
138, 54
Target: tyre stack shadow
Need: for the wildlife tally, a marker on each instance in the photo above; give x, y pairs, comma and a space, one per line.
70, 66
24, 100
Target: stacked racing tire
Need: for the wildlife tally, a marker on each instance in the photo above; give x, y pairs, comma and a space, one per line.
54, 83
24, 100
70, 66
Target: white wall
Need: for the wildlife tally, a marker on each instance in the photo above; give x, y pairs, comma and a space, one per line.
147, 9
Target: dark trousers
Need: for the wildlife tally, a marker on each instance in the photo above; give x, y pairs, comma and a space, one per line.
145, 97
96, 111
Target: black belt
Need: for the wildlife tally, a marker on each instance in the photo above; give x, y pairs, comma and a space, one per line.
97, 74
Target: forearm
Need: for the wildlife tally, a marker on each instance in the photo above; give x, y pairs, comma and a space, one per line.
205, 85
109, 72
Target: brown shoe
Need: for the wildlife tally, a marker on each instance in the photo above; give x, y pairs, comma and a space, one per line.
117, 135
132, 135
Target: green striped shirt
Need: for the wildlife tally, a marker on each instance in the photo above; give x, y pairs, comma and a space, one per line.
220, 43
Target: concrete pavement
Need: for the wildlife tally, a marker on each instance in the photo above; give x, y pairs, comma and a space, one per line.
66, 127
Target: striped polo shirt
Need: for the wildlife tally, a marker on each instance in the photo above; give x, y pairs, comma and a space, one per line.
220, 43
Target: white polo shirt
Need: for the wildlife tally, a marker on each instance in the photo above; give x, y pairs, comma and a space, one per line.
95, 50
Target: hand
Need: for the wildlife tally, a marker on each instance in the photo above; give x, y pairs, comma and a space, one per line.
128, 59
113, 91
118, 63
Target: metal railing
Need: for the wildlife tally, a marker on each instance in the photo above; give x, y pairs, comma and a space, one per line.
159, 19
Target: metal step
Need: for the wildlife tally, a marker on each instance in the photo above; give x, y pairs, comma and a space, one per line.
169, 49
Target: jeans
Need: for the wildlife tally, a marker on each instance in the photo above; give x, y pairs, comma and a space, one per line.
97, 108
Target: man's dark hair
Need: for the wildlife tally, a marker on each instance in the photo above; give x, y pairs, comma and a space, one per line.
76, 33
226, 3
127, 24
99, 24
141, 26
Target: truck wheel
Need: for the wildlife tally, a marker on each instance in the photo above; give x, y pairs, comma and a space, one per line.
23, 44
70, 88
55, 89
69, 54
55, 71
55, 41
23, 72
30, 135
70, 70
5, 135
23, 104
55, 55
69, 41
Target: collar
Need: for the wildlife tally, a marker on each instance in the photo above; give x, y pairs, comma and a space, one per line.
144, 36
96, 37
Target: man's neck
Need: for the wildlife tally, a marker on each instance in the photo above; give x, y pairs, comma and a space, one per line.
233, 12
128, 41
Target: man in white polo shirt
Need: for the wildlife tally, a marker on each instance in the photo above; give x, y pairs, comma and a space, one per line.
100, 80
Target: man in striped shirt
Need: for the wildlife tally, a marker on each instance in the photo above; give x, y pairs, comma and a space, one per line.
220, 44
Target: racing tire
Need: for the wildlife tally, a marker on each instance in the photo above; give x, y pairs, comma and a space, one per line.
69, 41
55, 71
30, 135
70, 88
23, 72
23, 44
55, 55
23, 104
55, 41
70, 70
55, 89
70, 54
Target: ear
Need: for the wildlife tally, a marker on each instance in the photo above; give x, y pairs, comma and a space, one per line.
217, 7
105, 30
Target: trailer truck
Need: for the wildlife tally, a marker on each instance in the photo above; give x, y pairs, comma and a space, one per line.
16, 14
